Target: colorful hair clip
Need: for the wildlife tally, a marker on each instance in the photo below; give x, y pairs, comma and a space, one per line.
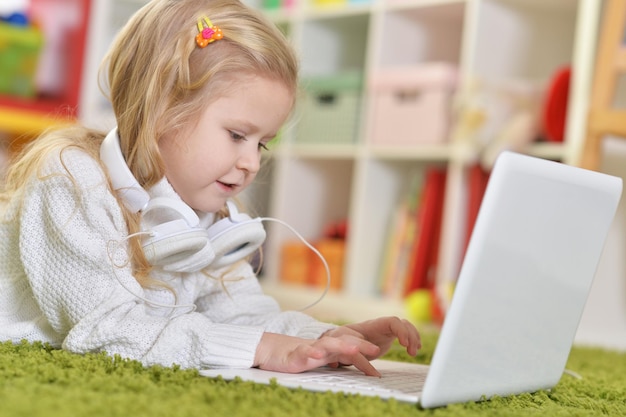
207, 32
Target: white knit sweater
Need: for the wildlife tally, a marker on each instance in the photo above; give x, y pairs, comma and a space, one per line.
58, 283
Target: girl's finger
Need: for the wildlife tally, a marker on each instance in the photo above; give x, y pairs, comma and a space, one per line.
362, 364
407, 334
347, 345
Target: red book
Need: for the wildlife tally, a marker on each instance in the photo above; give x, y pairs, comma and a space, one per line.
478, 179
426, 247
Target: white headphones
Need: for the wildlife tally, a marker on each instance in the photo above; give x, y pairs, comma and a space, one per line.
176, 238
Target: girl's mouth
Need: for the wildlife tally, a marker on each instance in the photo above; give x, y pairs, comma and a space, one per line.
227, 186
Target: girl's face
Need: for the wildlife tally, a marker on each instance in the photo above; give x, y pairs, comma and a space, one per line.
221, 155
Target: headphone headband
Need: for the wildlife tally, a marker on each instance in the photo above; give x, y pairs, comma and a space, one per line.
135, 198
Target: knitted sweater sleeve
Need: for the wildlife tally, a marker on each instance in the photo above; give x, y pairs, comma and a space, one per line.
241, 300
68, 217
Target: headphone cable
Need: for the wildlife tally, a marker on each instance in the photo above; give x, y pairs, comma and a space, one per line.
192, 307
317, 252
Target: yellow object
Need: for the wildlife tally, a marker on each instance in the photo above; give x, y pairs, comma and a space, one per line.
19, 121
419, 306
329, 2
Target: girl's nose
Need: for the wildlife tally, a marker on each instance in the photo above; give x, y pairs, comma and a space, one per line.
250, 160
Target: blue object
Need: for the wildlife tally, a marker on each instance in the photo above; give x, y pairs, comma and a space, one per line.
17, 19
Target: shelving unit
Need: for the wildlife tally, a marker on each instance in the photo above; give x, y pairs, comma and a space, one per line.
309, 185
495, 40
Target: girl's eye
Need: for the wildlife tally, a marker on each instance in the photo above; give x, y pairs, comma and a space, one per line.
236, 136
263, 146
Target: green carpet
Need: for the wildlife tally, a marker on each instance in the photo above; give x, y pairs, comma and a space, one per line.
36, 380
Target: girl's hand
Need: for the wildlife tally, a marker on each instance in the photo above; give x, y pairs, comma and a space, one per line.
354, 344
290, 354
382, 332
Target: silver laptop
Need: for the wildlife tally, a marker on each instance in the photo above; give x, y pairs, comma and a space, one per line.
519, 297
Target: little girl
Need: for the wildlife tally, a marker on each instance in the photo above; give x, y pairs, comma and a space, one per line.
199, 88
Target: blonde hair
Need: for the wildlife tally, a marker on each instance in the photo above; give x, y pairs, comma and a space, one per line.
160, 81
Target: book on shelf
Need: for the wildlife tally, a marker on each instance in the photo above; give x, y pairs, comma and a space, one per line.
411, 251
401, 233
425, 251
477, 184
396, 257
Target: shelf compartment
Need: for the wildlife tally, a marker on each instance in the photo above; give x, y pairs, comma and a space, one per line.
431, 33
309, 194
384, 185
318, 192
534, 39
331, 46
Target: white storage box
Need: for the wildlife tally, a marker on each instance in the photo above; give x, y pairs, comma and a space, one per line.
412, 105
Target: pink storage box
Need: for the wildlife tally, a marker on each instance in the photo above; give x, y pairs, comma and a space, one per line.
412, 105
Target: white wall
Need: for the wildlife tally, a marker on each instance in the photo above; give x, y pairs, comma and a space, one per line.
604, 319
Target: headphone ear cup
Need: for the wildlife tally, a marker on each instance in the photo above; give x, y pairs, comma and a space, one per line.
175, 248
176, 245
235, 241
177, 241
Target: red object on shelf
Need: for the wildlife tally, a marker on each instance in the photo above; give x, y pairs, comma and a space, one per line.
477, 185
422, 269
337, 230
555, 106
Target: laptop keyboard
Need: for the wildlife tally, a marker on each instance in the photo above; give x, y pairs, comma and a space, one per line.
390, 382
